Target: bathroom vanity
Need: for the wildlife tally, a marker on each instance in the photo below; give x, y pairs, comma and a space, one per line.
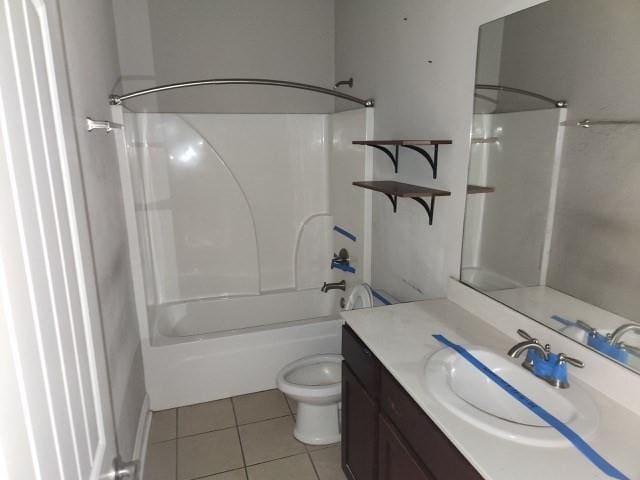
386, 435
396, 427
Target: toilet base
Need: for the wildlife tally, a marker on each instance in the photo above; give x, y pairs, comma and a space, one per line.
317, 424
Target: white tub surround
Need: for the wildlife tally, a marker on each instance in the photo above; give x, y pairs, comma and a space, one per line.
401, 337
230, 229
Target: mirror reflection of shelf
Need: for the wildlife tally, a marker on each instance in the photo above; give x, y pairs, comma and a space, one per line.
471, 189
393, 190
476, 141
415, 145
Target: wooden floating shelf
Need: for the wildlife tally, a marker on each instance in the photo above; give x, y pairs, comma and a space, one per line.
471, 189
393, 190
415, 145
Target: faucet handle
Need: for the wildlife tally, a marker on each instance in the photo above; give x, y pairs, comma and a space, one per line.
629, 348
570, 360
585, 326
525, 335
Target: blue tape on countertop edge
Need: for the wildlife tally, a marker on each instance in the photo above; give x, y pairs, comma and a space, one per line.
344, 232
563, 321
577, 441
380, 297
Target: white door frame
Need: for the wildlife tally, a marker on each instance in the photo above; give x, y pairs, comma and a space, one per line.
56, 415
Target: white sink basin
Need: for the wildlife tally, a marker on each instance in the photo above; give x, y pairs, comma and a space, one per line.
472, 396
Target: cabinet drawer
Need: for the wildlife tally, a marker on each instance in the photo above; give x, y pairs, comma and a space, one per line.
361, 361
431, 446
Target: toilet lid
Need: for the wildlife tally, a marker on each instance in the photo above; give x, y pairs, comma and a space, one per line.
361, 297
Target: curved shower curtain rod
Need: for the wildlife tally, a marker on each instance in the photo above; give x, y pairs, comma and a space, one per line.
502, 88
118, 99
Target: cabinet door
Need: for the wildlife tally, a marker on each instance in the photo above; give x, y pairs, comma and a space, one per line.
428, 442
397, 462
359, 429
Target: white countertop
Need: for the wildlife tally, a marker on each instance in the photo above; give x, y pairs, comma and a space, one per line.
401, 337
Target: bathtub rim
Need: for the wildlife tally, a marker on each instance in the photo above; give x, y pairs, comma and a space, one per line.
158, 339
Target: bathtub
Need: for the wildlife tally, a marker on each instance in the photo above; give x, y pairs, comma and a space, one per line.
210, 349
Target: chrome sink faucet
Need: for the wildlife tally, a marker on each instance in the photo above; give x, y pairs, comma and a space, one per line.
615, 336
334, 286
529, 343
542, 363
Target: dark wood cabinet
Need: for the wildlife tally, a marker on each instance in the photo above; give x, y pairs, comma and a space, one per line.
428, 442
396, 460
359, 429
385, 433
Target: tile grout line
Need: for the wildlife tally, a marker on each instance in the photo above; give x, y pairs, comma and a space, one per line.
177, 420
219, 429
288, 405
235, 419
313, 465
278, 459
214, 474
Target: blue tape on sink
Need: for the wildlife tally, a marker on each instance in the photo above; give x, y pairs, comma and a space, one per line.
577, 441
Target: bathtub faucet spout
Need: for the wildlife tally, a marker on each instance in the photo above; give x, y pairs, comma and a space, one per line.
334, 286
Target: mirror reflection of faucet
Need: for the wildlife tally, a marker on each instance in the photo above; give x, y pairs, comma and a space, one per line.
608, 343
611, 344
550, 367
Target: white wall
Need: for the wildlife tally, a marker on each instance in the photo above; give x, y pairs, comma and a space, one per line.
388, 58
279, 39
89, 35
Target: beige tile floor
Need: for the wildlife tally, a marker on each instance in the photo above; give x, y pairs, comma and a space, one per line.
241, 438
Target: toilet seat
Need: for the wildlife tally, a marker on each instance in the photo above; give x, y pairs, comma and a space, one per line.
361, 297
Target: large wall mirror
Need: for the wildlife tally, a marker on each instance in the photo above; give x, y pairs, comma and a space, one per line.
556, 135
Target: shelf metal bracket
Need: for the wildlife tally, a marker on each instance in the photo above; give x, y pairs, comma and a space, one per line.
427, 207
394, 201
433, 161
394, 158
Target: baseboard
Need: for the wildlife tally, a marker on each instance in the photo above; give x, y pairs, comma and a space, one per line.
142, 436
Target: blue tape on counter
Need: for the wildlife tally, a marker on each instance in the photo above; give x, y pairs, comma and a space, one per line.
563, 321
380, 297
347, 234
577, 441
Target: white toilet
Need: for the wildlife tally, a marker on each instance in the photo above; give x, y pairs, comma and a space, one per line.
315, 383
363, 296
